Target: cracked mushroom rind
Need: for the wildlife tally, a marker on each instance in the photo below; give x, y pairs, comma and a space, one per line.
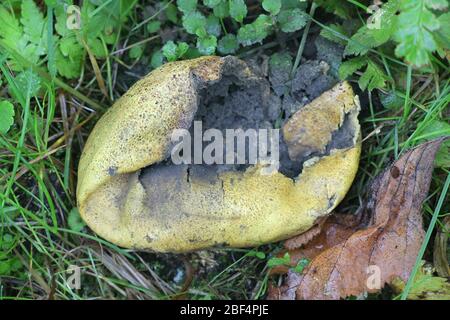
165, 211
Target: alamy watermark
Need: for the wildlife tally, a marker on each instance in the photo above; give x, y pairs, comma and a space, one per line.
73, 21
74, 279
237, 146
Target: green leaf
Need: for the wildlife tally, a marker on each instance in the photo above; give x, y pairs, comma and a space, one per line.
173, 52
136, 52
153, 26
96, 47
207, 45
192, 53
182, 48
228, 44
372, 78
281, 60
6, 116
7, 242
272, 6
292, 20
416, 31
157, 59
28, 81
10, 29
33, 23
350, 66
238, 10
194, 21
370, 36
256, 31
69, 57
258, 254
390, 100
425, 286
222, 10
30, 42
213, 25
211, 3
171, 13
275, 261
74, 220
169, 50
187, 6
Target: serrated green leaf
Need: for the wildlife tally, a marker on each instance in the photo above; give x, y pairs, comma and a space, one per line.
173, 51
228, 44
96, 47
33, 23
194, 21
69, 57
6, 116
70, 47
207, 45
187, 6
416, 31
292, 20
372, 78
371, 36
272, 6
10, 29
169, 50
350, 66
238, 10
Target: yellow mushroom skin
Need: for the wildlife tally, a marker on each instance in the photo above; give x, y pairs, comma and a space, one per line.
166, 212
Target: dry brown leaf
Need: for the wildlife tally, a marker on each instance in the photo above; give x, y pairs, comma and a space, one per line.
388, 236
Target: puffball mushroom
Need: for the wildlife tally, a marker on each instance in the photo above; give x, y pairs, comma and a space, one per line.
130, 194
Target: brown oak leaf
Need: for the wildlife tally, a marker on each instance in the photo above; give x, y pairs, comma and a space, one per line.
356, 254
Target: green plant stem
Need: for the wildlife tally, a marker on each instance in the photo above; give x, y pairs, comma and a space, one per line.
301, 47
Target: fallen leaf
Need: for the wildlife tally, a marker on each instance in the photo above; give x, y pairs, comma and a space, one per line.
356, 254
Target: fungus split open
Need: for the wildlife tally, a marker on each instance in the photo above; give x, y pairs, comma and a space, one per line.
130, 193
